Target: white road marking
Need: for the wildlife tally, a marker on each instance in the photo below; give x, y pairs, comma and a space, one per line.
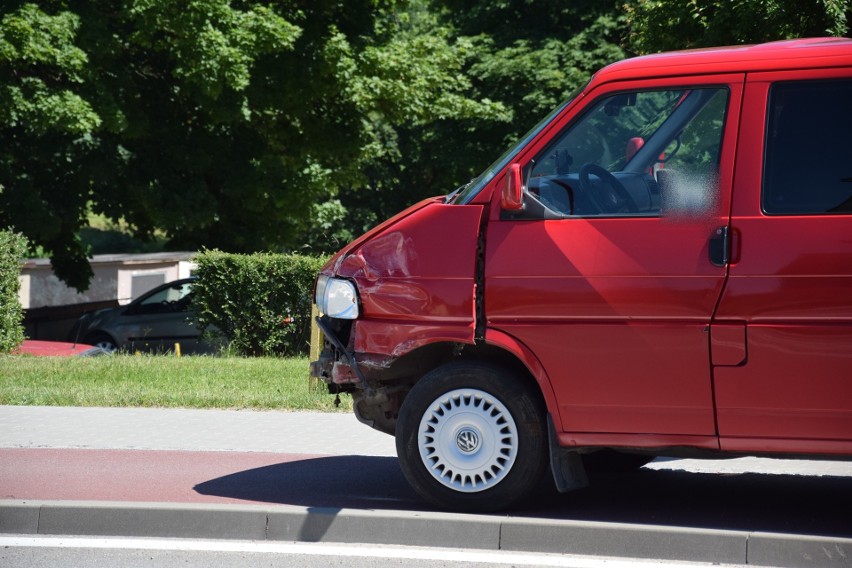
341, 550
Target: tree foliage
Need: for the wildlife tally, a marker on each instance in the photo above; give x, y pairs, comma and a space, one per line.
521, 57
664, 25
218, 123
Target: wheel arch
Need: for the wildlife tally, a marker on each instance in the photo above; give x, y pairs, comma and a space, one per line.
389, 379
526, 360
99, 333
498, 349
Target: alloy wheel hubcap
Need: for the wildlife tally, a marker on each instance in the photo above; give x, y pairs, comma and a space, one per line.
468, 440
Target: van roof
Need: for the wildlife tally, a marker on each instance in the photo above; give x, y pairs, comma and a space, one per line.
774, 56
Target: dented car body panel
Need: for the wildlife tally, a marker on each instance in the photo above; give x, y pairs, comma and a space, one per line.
410, 298
400, 279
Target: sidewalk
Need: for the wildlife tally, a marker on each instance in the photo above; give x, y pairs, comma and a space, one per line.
317, 477
195, 430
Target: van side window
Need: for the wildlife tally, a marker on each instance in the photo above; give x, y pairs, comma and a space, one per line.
808, 155
642, 153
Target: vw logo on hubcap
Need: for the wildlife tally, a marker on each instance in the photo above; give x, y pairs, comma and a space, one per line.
467, 440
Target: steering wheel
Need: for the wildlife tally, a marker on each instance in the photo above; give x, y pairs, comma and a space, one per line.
616, 200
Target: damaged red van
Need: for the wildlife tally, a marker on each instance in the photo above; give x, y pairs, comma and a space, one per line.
663, 266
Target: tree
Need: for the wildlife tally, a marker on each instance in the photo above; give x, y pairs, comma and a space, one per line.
665, 25
412, 153
45, 125
532, 55
522, 57
217, 122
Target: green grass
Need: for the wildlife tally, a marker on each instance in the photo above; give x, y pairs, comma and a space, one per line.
163, 381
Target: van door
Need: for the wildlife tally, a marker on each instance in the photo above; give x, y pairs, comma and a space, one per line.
790, 287
611, 273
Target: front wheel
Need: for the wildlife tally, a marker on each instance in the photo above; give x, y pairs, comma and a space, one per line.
471, 437
104, 341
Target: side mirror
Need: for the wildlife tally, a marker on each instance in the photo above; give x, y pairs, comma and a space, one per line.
513, 192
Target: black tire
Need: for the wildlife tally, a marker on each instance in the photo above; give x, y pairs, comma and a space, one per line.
102, 340
480, 430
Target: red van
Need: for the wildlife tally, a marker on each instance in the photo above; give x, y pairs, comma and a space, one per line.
663, 266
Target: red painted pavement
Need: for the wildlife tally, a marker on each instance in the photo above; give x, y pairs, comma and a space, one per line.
124, 475
50, 474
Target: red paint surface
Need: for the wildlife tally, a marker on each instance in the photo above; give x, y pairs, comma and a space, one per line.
124, 475
617, 310
53, 348
791, 285
399, 275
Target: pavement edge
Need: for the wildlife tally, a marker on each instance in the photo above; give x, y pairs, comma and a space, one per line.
418, 528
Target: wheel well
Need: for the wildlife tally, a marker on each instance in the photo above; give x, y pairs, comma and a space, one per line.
396, 380
502, 358
94, 336
424, 359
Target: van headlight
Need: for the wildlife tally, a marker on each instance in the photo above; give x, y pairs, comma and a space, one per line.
337, 298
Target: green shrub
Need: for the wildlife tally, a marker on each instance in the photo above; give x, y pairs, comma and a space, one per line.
261, 302
13, 246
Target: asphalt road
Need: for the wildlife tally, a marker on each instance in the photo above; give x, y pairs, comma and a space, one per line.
768, 502
321, 462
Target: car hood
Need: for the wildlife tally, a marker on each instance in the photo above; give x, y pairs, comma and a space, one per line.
332, 266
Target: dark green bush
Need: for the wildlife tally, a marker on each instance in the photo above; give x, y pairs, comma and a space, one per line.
261, 303
13, 246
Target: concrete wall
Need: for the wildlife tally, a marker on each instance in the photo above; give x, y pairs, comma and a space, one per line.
51, 308
118, 277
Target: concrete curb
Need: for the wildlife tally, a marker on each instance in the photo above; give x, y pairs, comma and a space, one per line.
297, 524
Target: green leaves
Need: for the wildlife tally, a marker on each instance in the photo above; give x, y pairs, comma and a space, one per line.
664, 25
37, 109
41, 70
13, 246
418, 79
212, 45
458, 81
261, 303
32, 38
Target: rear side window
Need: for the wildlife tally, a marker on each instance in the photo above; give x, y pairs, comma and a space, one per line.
808, 162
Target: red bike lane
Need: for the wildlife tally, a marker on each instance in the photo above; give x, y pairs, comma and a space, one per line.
167, 476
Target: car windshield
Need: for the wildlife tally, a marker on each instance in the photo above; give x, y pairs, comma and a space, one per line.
174, 298
465, 194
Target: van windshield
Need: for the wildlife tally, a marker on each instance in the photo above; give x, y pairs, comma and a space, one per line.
466, 193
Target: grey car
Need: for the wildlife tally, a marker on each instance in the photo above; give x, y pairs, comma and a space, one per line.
159, 321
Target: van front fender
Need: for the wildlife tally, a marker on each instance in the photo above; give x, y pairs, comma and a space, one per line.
509, 343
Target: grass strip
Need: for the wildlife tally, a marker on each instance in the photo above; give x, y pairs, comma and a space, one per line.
163, 381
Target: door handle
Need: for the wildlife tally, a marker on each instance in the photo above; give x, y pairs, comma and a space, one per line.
720, 246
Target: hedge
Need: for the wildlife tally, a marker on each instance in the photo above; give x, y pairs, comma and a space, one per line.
13, 247
261, 302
